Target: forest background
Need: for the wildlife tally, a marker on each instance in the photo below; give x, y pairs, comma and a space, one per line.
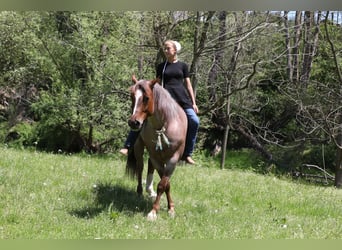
267, 81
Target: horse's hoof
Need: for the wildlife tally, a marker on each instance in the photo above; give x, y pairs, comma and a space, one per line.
152, 194
152, 216
172, 213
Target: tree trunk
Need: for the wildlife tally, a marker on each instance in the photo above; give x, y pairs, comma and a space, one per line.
288, 47
214, 73
224, 149
310, 44
230, 81
226, 131
338, 172
200, 39
255, 143
218, 56
295, 50
338, 140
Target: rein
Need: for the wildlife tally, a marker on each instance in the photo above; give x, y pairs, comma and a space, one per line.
162, 81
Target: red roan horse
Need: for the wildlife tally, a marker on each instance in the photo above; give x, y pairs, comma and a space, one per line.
162, 124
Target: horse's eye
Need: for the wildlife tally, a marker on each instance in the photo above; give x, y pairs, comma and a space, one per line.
145, 99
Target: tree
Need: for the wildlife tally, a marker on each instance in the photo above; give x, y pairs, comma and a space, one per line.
80, 84
326, 116
237, 69
318, 97
334, 117
261, 78
213, 78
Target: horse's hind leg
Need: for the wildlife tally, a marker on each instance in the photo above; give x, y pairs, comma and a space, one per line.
169, 168
139, 152
149, 180
139, 186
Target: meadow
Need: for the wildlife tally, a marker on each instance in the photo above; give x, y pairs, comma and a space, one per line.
58, 196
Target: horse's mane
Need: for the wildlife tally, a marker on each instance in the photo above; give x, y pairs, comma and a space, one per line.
164, 102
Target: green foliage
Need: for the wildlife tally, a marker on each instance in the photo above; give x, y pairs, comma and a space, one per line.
67, 73
81, 86
295, 158
21, 135
320, 155
245, 159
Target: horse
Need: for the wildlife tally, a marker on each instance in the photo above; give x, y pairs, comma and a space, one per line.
163, 126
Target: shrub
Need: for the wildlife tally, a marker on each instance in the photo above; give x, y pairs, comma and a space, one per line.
21, 135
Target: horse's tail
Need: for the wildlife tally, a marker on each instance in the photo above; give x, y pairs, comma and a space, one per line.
131, 164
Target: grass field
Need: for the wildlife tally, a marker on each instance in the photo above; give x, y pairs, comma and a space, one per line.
48, 196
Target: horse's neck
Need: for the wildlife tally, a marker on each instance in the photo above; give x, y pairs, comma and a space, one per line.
160, 117
156, 120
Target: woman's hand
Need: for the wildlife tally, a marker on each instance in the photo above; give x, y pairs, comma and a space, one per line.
195, 108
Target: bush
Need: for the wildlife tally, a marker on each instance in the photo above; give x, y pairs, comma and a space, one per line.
320, 155
21, 135
292, 159
58, 138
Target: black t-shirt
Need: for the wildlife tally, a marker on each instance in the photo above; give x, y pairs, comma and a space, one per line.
173, 79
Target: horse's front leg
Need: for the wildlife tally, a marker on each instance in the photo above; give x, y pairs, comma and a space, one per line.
162, 186
170, 204
149, 180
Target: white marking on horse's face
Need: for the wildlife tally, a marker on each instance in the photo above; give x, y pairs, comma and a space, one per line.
137, 96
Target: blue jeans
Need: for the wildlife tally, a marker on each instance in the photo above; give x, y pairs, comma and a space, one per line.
131, 138
191, 136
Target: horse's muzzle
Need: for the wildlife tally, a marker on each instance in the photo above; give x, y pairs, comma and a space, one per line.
134, 124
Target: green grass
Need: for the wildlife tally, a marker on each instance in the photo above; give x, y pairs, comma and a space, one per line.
47, 196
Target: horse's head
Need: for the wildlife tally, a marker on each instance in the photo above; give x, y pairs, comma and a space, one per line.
142, 102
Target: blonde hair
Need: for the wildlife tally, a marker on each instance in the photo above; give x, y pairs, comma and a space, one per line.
175, 44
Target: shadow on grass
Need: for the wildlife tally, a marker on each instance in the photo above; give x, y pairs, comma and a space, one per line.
113, 199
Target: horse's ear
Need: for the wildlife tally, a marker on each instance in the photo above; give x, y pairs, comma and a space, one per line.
134, 79
154, 81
